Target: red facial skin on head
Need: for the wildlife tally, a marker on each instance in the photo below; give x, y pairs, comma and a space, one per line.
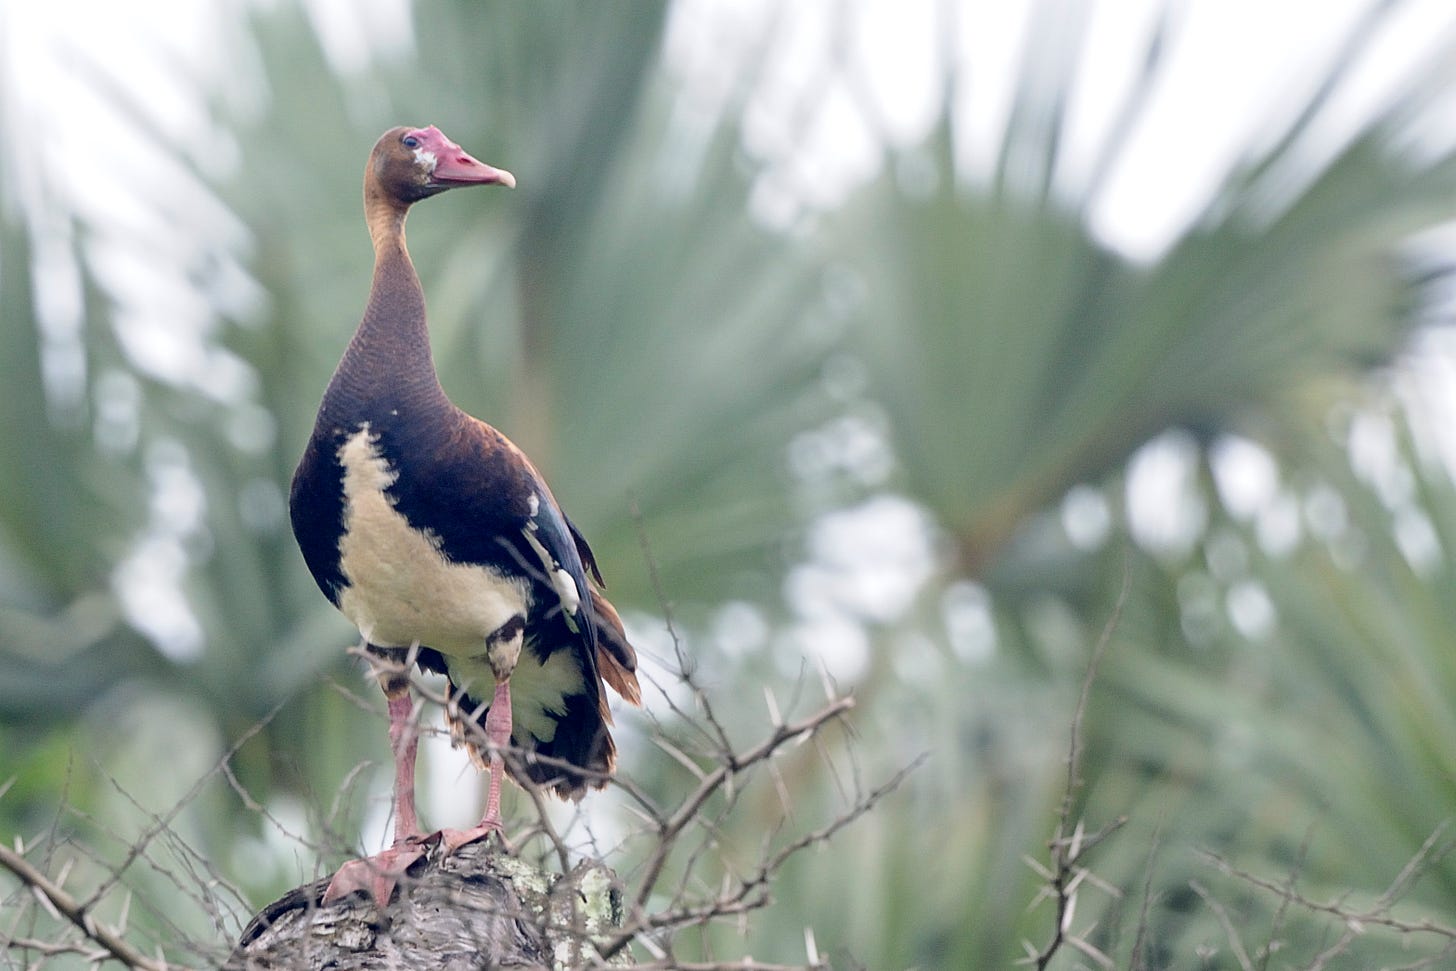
455, 166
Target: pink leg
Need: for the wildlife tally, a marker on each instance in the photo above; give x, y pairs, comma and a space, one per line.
498, 735
404, 741
378, 874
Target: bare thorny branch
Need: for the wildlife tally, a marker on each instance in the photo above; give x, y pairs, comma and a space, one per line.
1355, 920
99, 939
677, 837
666, 829
77, 912
1064, 873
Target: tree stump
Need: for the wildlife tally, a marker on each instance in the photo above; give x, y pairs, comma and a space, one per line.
475, 909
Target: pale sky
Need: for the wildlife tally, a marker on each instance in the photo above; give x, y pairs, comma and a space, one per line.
1234, 69
1234, 66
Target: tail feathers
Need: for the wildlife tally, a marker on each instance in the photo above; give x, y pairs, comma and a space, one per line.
467, 726
616, 660
581, 740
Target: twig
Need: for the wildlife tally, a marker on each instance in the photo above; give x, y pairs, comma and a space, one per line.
1220, 912
752, 892
1378, 915
1135, 962
1430, 961
715, 779
1337, 949
93, 954
1074, 752
78, 913
743, 964
684, 665
543, 821
1282, 911
164, 820
1066, 850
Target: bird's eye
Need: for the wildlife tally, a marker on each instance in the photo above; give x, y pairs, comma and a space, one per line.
411, 141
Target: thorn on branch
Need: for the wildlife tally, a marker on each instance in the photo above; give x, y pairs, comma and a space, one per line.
64, 906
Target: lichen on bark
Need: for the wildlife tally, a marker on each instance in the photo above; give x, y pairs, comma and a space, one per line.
477, 908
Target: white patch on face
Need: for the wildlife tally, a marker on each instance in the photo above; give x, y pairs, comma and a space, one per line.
561, 581
536, 689
427, 159
401, 588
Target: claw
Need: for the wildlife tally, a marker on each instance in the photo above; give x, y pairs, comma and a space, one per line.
452, 839
375, 875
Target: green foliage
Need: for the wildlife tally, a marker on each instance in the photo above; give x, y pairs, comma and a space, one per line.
663, 354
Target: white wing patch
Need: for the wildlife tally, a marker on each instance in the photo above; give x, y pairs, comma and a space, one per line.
565, 585
561, 581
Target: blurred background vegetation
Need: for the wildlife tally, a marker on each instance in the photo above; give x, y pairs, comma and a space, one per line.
880, 397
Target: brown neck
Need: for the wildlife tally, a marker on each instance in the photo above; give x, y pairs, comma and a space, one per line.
385, 217
389, 354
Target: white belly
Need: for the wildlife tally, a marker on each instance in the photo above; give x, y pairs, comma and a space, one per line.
402, 591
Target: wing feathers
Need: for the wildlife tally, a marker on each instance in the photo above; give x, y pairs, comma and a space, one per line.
616, 660
585, 552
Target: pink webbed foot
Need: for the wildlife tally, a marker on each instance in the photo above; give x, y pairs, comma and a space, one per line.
376, 875
452, 839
